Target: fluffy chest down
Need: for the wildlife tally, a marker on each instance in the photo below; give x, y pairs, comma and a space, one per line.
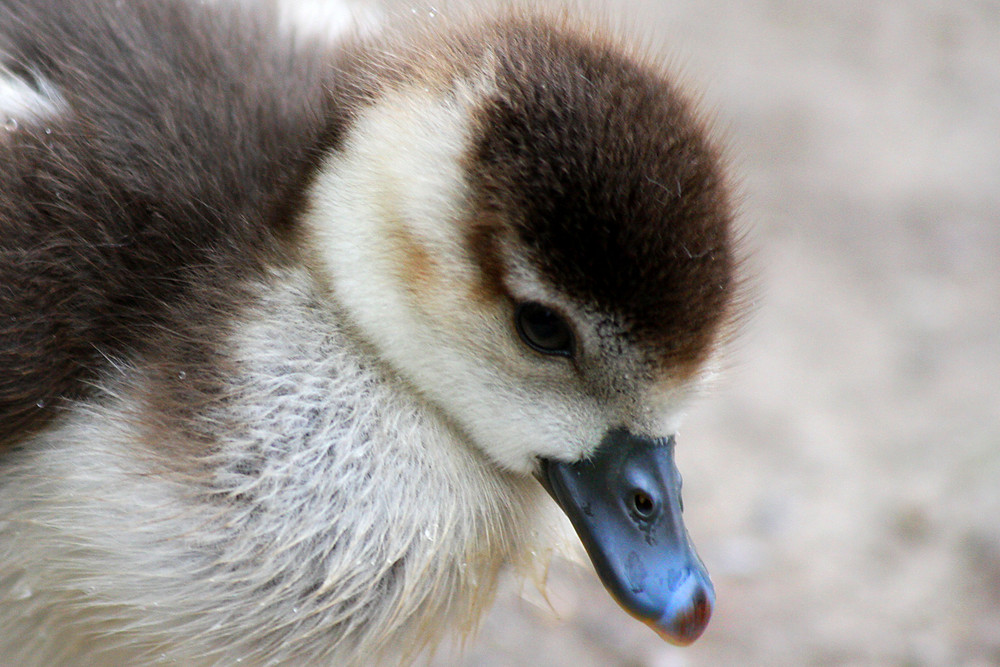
332, 511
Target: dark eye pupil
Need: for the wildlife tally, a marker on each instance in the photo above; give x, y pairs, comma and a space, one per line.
543, 329
643, 503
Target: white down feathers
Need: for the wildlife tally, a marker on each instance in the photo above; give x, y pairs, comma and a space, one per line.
290, 510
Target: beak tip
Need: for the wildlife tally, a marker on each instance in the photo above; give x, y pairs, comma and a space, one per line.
682, 626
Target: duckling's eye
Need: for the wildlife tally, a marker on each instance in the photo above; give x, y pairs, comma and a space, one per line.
544, 330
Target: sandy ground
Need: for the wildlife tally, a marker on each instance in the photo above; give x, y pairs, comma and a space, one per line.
843, 482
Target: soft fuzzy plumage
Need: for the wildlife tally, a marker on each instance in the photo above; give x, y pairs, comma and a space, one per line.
261, 399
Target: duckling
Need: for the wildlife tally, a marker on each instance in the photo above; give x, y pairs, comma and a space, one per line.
297, 338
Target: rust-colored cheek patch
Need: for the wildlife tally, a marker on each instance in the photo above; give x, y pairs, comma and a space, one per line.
483, 246
414, 267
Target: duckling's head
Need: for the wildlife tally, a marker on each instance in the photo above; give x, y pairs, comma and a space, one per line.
527, 221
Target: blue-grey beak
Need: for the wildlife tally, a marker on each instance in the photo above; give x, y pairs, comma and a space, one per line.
625, 503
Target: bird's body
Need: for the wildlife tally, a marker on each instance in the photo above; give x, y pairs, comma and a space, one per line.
289, 539
262, 395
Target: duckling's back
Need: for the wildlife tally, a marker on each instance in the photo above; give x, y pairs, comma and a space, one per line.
146, 149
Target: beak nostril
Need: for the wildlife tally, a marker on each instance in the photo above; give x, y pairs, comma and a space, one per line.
643, 504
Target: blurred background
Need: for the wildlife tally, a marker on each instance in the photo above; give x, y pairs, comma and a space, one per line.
842, 482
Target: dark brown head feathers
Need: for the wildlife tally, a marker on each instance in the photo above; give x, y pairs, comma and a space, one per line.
599, 166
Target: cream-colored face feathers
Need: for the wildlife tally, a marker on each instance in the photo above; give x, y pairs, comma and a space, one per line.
394, 201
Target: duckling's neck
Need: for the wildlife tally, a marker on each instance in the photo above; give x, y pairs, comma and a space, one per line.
332, 514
